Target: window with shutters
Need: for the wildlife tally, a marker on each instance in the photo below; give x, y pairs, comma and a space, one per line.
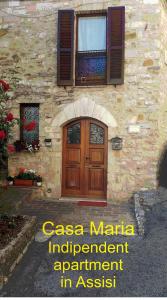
99, 48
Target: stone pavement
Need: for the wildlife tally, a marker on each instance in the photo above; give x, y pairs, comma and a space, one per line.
65, 212
145, 273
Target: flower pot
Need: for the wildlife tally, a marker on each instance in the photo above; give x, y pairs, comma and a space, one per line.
39, 183
23, 182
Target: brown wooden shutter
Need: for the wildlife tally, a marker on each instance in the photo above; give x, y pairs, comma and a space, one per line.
115, 44
65, 47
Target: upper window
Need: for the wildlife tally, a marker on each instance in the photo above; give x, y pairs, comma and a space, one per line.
91, 50
98, 50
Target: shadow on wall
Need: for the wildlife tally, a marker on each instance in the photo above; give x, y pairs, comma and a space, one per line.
162, 169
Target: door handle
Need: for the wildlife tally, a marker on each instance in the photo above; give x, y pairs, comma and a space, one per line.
87, 157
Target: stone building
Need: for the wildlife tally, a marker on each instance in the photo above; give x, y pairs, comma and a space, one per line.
84, 91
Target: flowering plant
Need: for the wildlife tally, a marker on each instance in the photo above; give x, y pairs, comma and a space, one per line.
7, 120
35, 146
26, 174
5, 86
21, 146
30, 126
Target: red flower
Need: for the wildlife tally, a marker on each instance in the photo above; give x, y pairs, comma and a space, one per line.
31, 126
2, 134
22, 170
9, 117
11, 148
5, 85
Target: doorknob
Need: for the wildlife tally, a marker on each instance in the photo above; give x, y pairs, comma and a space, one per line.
87, 157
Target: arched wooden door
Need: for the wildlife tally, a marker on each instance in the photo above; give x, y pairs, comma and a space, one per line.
85, 159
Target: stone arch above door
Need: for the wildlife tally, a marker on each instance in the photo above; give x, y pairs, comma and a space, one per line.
84, 107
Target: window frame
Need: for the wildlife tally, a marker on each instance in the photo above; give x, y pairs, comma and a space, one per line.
22, 106
95, 81
116, 28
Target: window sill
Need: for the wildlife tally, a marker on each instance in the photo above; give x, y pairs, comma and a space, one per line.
95, 85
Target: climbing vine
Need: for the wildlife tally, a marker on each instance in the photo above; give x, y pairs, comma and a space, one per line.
7, 121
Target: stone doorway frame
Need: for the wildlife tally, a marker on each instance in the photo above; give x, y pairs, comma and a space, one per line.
81, 108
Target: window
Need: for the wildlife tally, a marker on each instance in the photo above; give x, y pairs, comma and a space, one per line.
98, 50
96, 134
74, 134
91, 50
29, 116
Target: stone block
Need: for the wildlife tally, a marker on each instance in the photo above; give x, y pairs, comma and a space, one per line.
148, 62
98, 112
134, 128
151, 2
14, 3
130, 35
59, 120
3, 32
108, 119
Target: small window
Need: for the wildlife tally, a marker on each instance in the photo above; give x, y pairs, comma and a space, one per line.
91, 58
29, 115
74, 134
96, 134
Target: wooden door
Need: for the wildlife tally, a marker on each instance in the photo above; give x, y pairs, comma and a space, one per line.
84, 159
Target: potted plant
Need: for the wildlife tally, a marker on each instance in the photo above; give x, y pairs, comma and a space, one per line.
10, 180
25, 178
39, 181
24, 146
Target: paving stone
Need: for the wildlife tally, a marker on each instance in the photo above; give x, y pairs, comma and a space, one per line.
67, 213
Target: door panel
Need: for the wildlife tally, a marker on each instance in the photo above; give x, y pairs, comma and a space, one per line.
96, 156
73, 178
72, 159
85, 159
73, 156
96, 179
96, 164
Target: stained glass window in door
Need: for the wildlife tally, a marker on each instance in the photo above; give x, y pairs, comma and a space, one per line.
74, 134
30, 123
96, 134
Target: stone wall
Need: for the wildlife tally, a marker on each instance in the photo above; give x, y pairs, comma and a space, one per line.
163, 79
11, 255
29, 46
